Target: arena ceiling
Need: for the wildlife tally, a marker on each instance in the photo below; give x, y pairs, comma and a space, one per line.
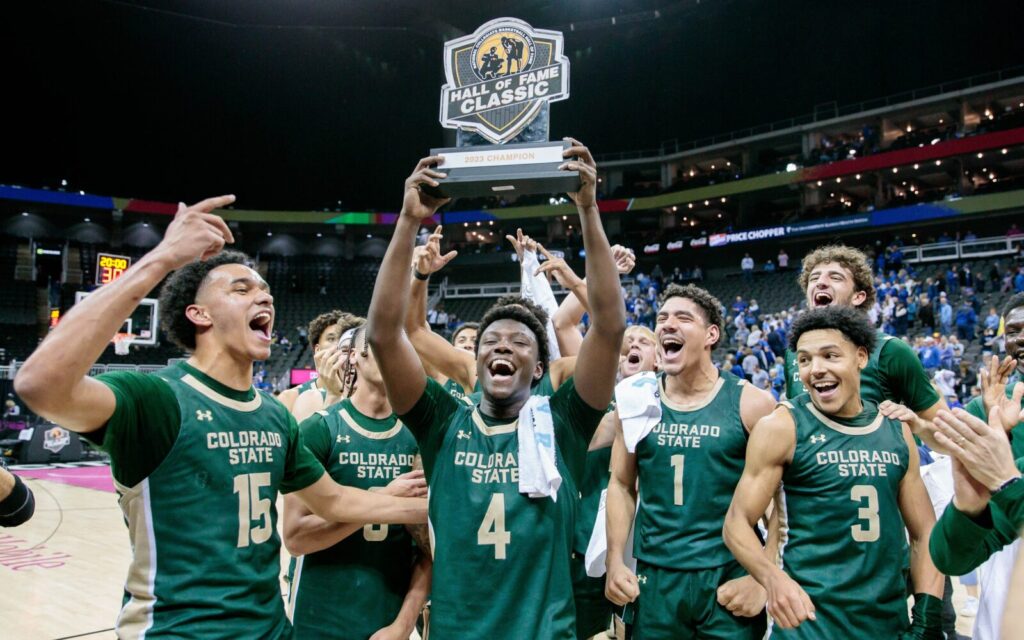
302, 104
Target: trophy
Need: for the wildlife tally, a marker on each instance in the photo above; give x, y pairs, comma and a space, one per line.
500, 81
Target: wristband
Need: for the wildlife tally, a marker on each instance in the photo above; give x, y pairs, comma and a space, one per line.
1005, 485
17, 507
420, 276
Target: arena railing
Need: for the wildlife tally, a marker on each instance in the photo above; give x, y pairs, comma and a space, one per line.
964, 249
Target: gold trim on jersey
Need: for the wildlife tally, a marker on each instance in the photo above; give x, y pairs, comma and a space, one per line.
136, 616
366, 433
496, 430
293, 588
842, 428
678, 407
237, 405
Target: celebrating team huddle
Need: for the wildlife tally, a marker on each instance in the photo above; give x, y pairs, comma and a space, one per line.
527, 480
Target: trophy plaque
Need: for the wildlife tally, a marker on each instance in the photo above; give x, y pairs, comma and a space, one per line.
500, 81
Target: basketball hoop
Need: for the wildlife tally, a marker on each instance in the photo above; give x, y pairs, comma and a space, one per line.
122, 343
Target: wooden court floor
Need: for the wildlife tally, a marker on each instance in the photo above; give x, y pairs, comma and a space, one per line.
61, 574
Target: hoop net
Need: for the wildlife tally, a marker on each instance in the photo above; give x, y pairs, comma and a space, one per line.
122, 343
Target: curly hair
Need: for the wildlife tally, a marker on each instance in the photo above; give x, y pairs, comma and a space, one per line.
520, 310
180, 291
853, 260
708, 304
343, 319
847, 320
1016, 300
475, 326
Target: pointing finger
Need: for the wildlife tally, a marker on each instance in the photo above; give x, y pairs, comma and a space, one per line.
208, 205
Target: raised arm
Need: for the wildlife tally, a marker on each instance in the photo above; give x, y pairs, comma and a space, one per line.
404, 377
435, 352
54, 381
599, 354
620, 584
770, 447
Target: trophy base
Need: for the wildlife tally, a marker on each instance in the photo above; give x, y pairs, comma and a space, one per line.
497, 170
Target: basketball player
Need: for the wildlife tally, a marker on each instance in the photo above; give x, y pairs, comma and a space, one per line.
837, 275
686, 469
325, 331
197, 453
361, 443
851, 486
501, 559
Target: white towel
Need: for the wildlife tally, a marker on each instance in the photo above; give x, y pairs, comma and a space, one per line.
538, 469
597, 548
638, 401
537, 289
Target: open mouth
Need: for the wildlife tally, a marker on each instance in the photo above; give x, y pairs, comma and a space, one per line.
260, 324
501, 369
671, 345
633, 357
825, 389
822, 299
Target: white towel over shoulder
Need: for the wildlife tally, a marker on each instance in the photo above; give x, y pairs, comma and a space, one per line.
638, 401
597, 548
538, 468
537, 289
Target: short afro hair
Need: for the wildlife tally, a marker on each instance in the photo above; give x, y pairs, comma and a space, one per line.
524, 311
1016, 300
708, 303
847, 320
180, 291
475, 326
853, 260
343, 319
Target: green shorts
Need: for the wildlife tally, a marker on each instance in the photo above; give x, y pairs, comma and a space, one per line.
684, 604
593, 610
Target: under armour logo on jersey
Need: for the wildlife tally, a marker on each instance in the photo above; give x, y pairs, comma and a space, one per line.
818, 438
202, 415
345, 439
641, 579
462, 434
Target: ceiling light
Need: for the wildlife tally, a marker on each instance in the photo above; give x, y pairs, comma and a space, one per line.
723, 198
819, 183
691, 205
88, 220
980, 155
938, 163
675, 208
706, 203
857, 176
1004, 151
916, 167
895, 170
838, 180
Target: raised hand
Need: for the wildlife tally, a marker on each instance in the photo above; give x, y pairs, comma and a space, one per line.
522, 243
329, 364
743, 597
428, 259
584, 163
982, 447
625, 259
993, 392
559, 269
416, 203
195, 233
969, 495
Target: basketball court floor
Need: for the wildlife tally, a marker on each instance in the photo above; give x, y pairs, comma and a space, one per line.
62, 572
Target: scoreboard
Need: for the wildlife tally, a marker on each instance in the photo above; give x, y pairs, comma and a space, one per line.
109, 267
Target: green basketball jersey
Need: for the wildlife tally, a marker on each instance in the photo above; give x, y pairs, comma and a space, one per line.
688, 467
844, 540
501, 558
895, 374
544, 386
307, 385
356, 587
203, 524
455, 389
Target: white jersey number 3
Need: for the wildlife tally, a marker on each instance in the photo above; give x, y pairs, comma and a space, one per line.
867, 513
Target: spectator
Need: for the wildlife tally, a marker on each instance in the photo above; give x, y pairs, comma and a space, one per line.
739, 306
747, 264
783, 260
759, 377
965, 321
697, 274
969, 236
777, 341
945, 380
900, 320
737, 369
769, 267
303, 334
968, 379
1013, 231
929, 355
1018, 281
749, 363
945, 316
992, 320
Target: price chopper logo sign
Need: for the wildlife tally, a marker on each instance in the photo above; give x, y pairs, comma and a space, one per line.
500, 76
